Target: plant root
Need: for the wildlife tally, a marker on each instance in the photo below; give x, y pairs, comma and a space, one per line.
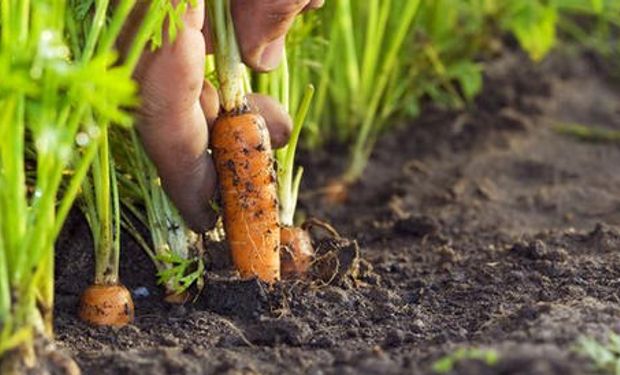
337, 263
296, 251
106, 305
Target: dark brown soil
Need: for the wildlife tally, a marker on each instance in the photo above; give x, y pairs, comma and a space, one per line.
486, 229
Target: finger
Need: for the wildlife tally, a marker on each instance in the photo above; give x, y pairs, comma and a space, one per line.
314, 4
172, 124
278, 121
184, 165
210, 102
259, 24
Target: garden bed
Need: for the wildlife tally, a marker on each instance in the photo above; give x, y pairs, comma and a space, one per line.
485, 228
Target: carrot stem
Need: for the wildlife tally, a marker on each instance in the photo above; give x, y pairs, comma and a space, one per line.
289, 179
229, 68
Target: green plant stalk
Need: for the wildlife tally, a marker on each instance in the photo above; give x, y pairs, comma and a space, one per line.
101, 197
228, 66
96, 28
114, 28
103, 207
102, 216
26, 276
14, 211
588, 133
277, 84
141, 39
289, 180
73, 187
365, 140
324, 81
170, 237
350, 62
375, 29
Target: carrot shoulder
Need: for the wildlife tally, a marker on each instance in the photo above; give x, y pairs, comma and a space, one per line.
244, 163
106, 305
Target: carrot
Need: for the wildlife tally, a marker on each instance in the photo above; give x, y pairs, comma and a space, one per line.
106, 302
244, 165
243, 160
296, 252
106, 305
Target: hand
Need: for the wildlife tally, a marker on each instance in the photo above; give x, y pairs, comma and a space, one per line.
179, 106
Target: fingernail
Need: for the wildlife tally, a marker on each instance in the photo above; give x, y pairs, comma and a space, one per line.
272, 55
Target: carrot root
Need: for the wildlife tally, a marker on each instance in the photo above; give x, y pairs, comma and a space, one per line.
296, 252
106, 305
244, 164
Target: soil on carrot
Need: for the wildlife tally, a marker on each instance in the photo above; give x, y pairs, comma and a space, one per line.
484, 228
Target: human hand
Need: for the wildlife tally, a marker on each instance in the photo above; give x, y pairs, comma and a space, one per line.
179, 106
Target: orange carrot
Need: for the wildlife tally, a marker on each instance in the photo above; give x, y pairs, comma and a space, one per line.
243, 160
244, 164
106, 305
296, 252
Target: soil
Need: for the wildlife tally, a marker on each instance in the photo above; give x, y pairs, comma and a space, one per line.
484, 228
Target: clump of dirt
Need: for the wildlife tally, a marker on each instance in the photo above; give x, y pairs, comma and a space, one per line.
486, 229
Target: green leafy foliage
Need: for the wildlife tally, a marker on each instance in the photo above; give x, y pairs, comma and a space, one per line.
374, 63
605, 356
180, 273
170, 13
172, 245
594, 24
444, 67
589, 133
447, 363
62, 86
368, 78
46, 126
534, 25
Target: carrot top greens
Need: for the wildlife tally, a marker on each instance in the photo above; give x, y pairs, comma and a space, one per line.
62, 86
230, 70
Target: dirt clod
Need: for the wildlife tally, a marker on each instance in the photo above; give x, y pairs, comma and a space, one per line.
417, 226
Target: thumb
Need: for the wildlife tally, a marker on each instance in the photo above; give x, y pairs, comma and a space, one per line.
261, 27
